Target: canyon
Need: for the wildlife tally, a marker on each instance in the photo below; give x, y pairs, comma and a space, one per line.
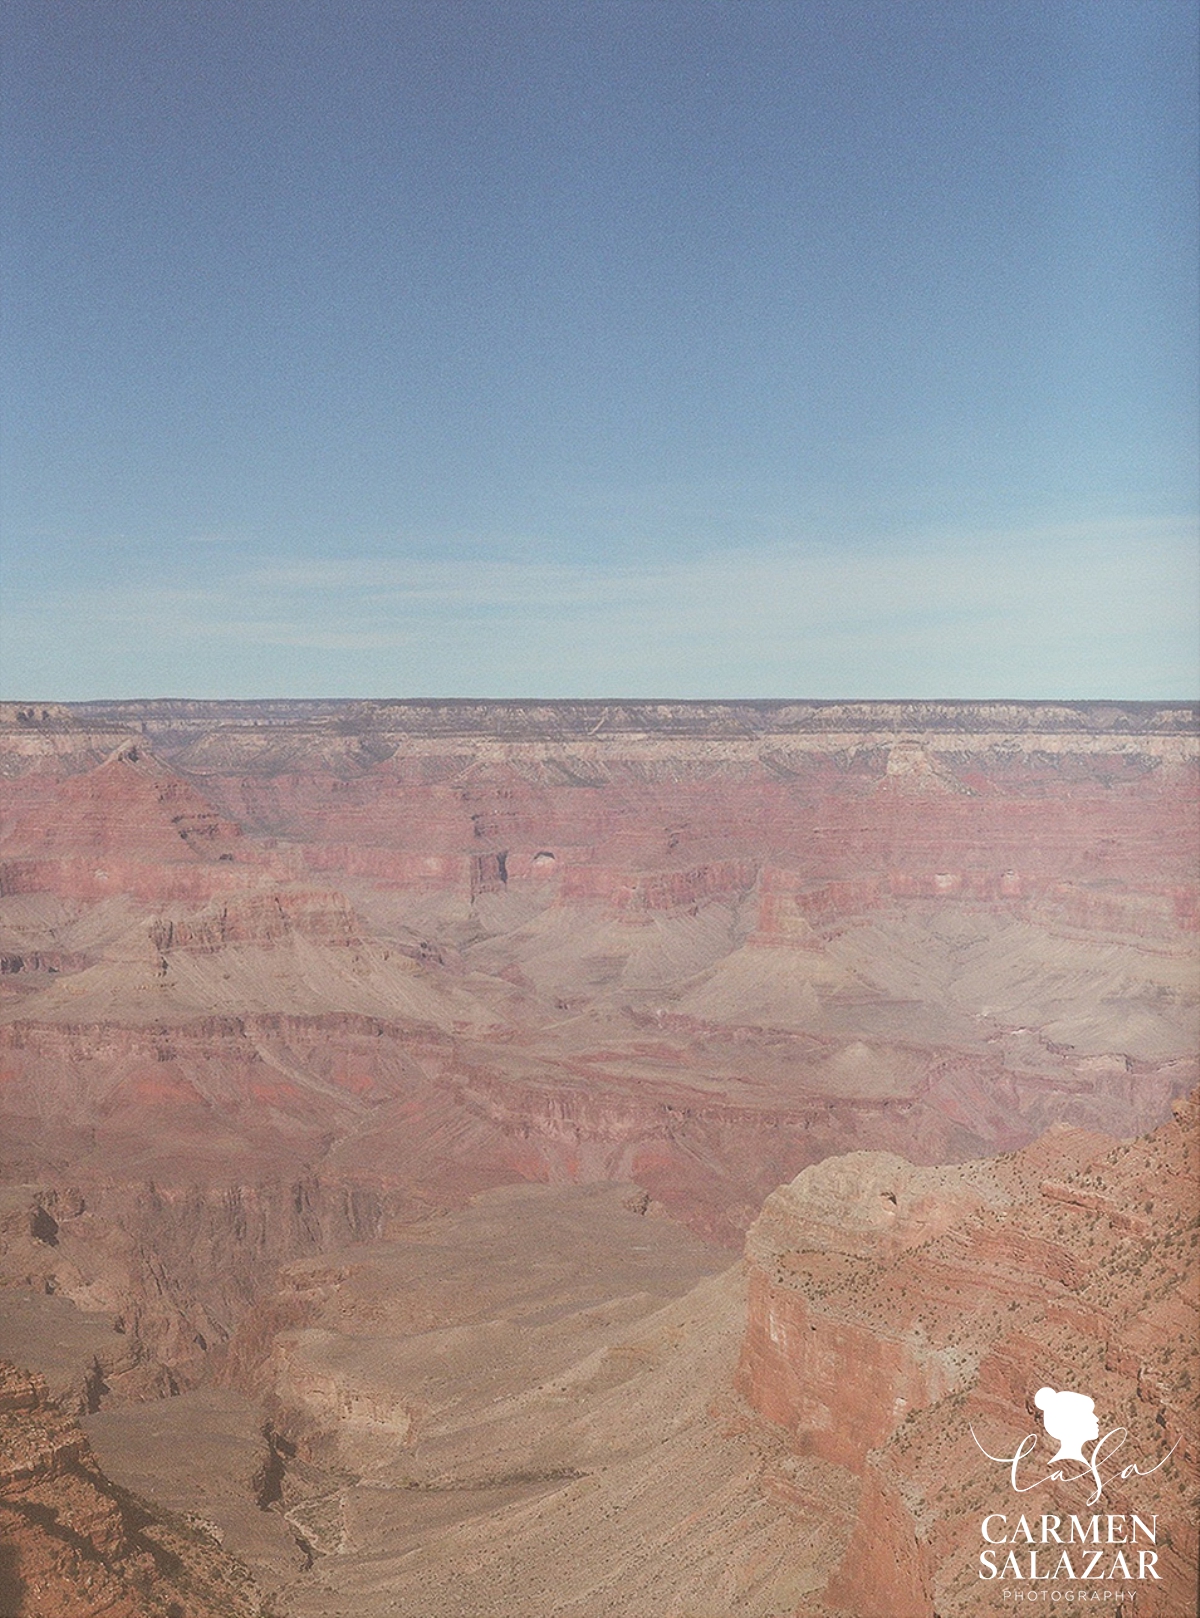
587, 1158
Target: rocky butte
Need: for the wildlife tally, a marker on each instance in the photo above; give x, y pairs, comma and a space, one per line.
388, 1090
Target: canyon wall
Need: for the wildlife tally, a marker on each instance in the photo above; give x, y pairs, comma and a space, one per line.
420, 948
282, 980
900, 1321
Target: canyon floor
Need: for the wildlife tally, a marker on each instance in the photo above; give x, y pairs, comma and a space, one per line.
586, 1159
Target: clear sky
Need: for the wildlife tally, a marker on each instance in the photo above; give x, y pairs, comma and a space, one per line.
688, 348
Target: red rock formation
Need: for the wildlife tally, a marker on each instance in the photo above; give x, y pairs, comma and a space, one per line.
808, 1362
887, 1567
297, 970
72, 1543
893, 1312
129, 826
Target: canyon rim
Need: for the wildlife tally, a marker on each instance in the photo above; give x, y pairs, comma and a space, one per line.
656, 1159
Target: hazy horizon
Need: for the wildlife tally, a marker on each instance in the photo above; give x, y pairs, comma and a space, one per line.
609, 699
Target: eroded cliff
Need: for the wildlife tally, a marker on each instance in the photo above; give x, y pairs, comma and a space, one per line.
72, 1542
901, 1320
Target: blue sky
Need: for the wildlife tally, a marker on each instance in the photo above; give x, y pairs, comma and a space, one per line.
689, 348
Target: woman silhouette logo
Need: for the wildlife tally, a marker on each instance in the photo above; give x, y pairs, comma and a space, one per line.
1069, 1417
